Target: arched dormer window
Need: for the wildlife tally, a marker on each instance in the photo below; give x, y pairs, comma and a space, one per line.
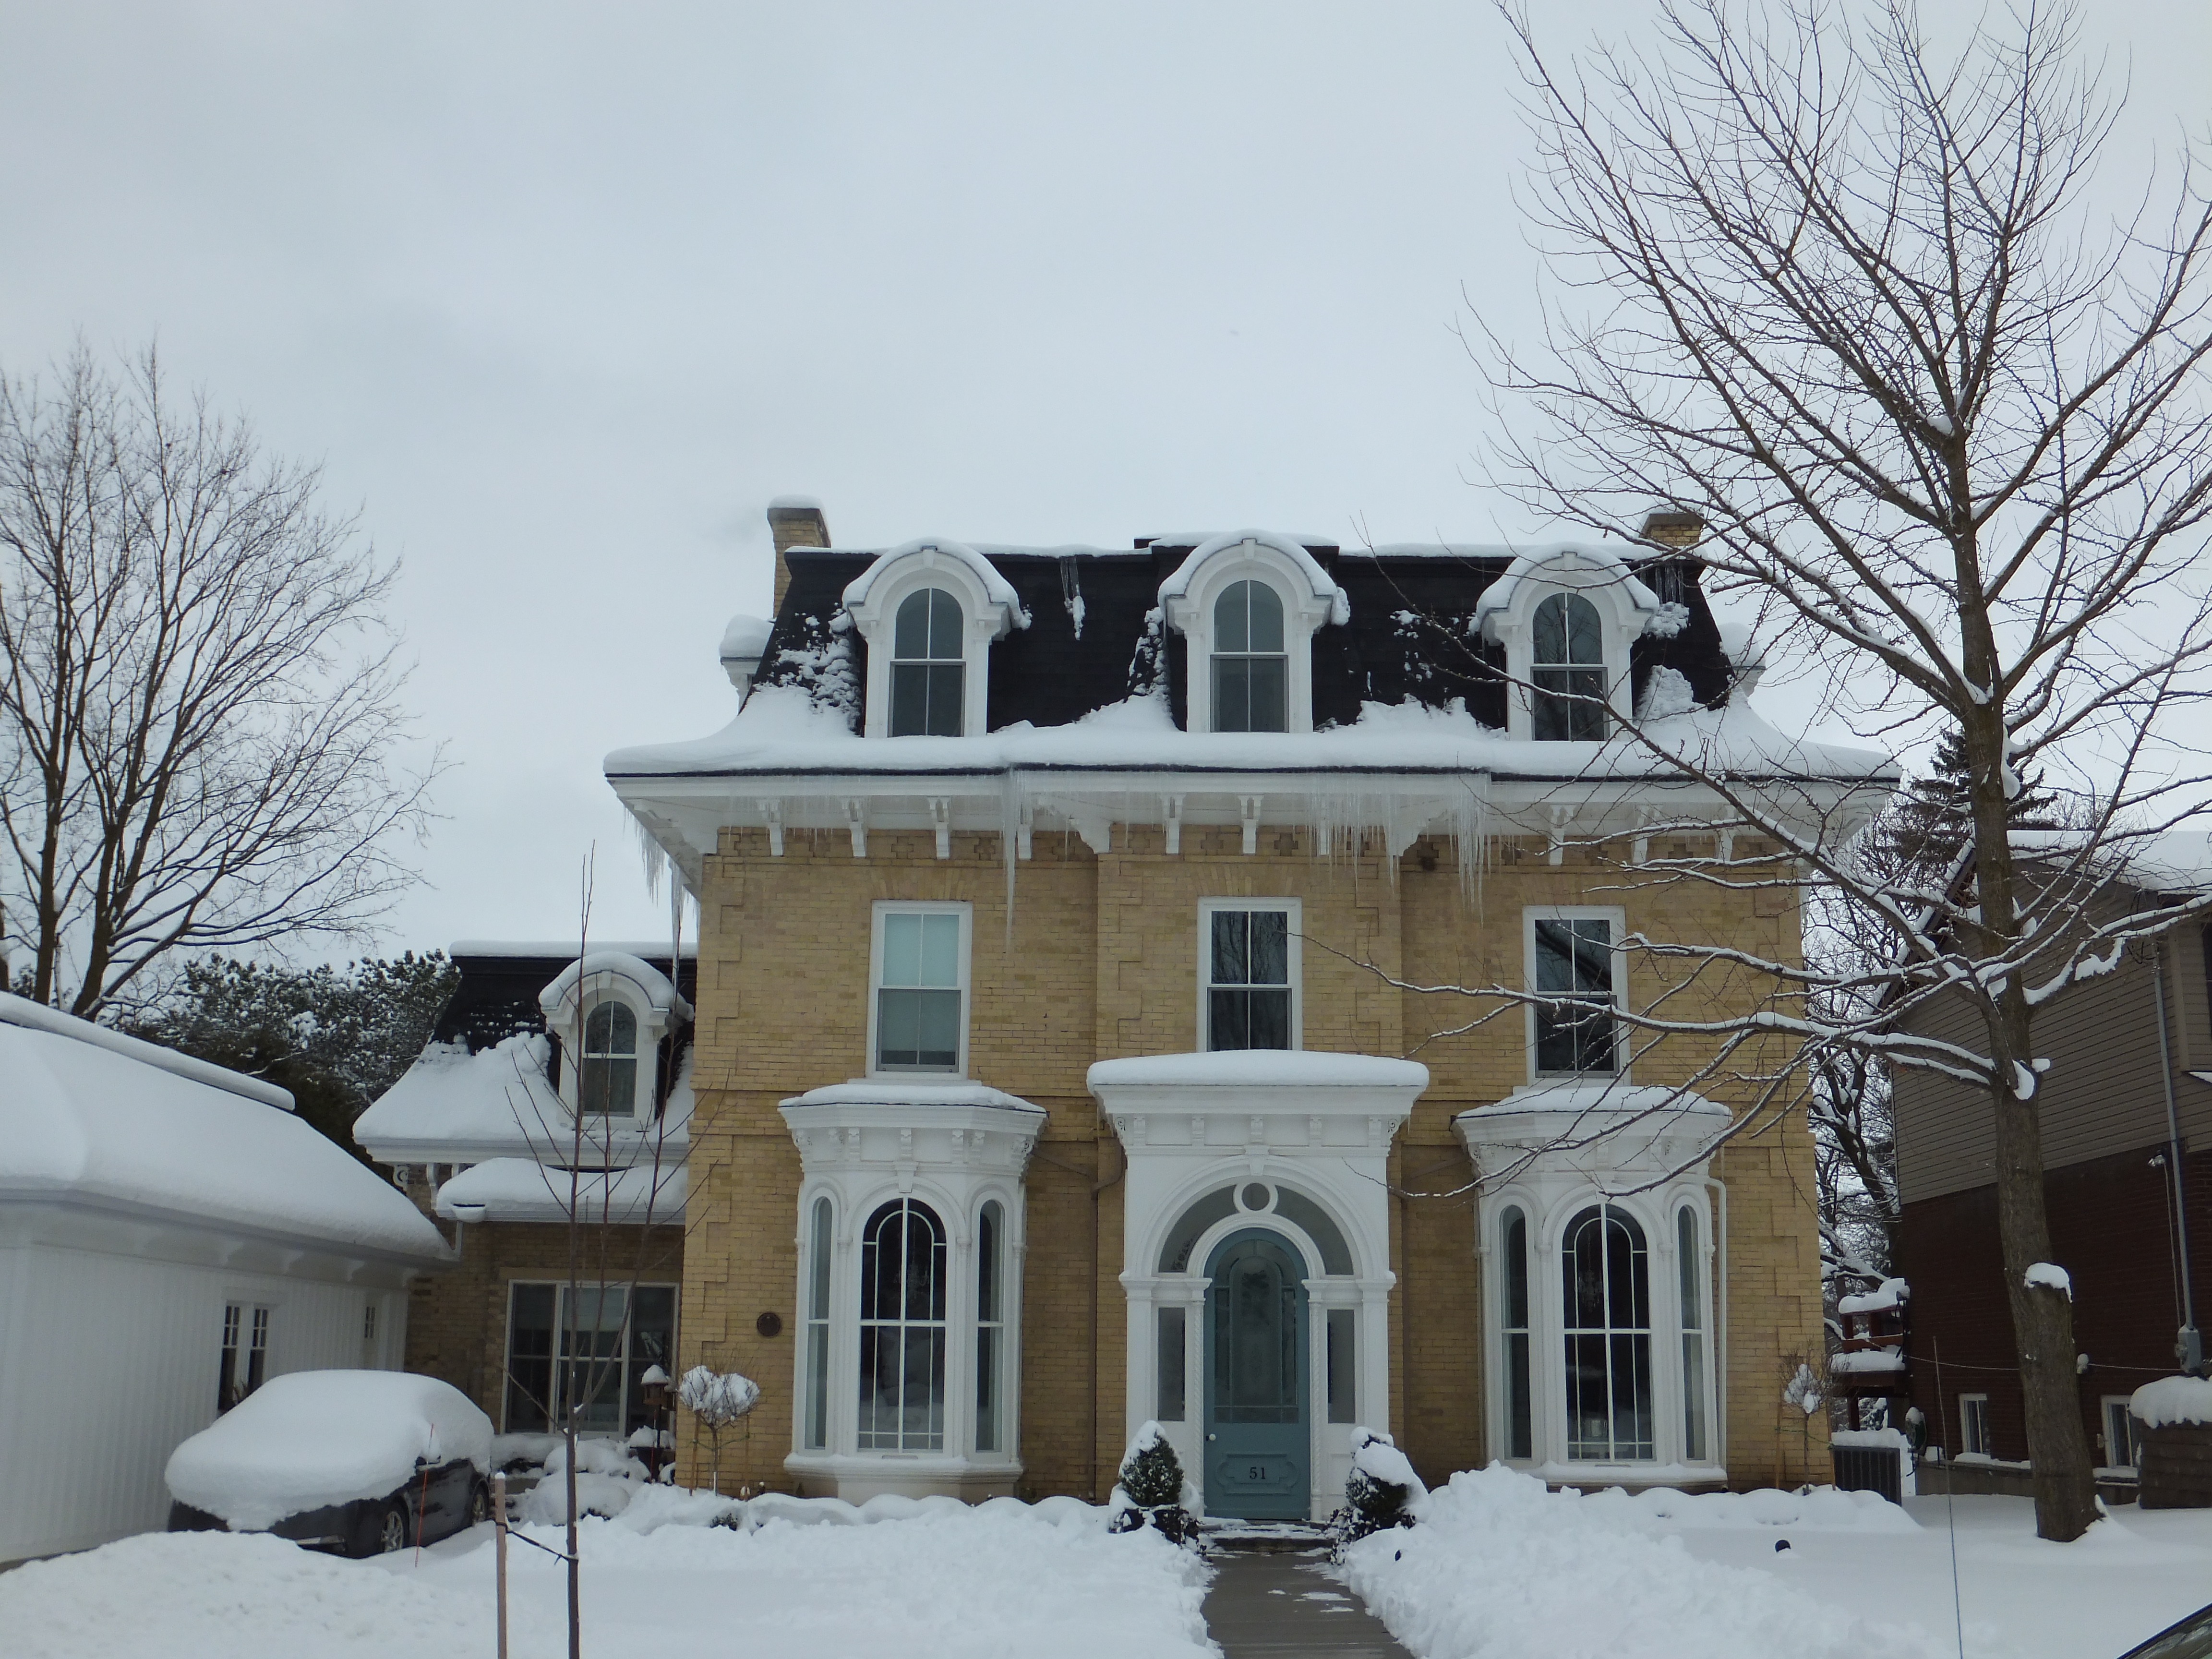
926, 614
606, 1078
1250, 604
929, 667
1566, 671
1251, 671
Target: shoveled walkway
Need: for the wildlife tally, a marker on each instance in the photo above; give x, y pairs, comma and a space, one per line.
1283, 1604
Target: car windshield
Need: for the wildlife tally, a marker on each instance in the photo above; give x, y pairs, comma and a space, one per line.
2190, 1640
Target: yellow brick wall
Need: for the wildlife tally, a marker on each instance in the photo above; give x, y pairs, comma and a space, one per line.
1099, 958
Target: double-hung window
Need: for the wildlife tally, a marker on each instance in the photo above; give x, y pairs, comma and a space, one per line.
2120, 1448
586, 1346
1251, 669
1250, 961
920, 1015
1567, 669
245, 1361
929, 667
1974, 1438
606, 1073
1575, 973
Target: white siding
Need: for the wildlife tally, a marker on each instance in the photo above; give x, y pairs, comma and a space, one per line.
109, 1361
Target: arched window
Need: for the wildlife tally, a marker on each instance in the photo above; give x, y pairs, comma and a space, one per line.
606, 1078
1607, 1319
817, 1327
1567, 669
902, 1329
1520, 1423
990, 1325
1251, 669
929, 671
1691, 1267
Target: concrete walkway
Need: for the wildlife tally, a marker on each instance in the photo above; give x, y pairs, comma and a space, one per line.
1283, 1604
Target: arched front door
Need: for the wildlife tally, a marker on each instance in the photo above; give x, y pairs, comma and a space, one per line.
1257, 1440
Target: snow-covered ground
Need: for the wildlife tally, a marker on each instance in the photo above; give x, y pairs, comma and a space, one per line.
1003, 1579
1500, 1568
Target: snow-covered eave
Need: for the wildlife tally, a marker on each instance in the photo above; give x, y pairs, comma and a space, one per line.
138, 1212
626, 1150
37, 1017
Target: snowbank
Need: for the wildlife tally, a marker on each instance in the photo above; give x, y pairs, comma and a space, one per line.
1499, 1566
85, 1118
2172, 1399
309, 1438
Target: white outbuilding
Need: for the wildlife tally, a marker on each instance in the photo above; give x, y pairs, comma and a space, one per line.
171, 1236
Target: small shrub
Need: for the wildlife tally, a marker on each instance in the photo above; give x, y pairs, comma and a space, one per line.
1378, 1494
1150, 1491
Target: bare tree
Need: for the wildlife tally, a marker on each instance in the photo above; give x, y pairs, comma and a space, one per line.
200, 726
1848, 301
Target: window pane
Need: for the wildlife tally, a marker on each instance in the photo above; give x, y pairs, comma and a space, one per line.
1270, 1021
1549, 639
902, 948
529, 1358
1269, 698
1585, 637
1690, 1266
817, 1398
1516, 1270
1232, 694
940, 950
818, 1303
987, 1265
611, 1029
1341, 1390
1228, 1023
1267, 633
1172, 1361
1270, 961
1233, 934
909, 699
944, 640
1520, 1429
947, 690
607, 1085
910, 635
1693, 1396
652, 1342
1231, 618
1607, 1305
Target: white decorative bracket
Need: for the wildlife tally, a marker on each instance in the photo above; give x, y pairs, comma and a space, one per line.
773, 811
856, 820
1561, 818
1025, 830
940, 819
1249, 806
1171, 817
1724, 844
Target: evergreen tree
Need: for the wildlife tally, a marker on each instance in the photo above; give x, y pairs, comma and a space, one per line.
1150, 1488
1925, 830
336, 1038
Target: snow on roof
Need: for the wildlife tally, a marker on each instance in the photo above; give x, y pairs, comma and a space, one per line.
22, 1011
651, 983
2174, 860
911, 1091
1318, 582
310, 1438
1532, 563
797, 503
746, 637
1269, 1068
1002, 590
1890, 1293
564, 948
1598, 1095
85, 1122
453, 1106
781, 731
1737, 644
523, 1189
2172, 1399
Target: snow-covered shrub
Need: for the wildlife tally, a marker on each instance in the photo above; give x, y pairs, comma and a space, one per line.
1150, 1491
718, 1402
1378, 1494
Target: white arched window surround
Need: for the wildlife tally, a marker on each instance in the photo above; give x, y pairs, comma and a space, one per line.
1507, 613
989, 610
1310, 599
602, 981
1685, 1444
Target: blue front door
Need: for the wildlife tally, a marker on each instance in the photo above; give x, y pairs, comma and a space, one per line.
1256, 1438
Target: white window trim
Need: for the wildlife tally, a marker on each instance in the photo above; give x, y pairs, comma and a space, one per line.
1191, 613
592, 990
1206, 907
1965, 1451
1547, 1217
931, 907
1533, 914
1621, 617
983, 620
2105, 1406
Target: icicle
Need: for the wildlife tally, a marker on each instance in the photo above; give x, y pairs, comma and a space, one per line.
651, 854
1010, 827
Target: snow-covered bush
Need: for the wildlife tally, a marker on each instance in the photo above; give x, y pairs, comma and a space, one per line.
717, 1401
1150, 1490
1380, 1491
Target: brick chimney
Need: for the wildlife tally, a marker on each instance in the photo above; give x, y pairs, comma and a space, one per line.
1673, 529
793, 521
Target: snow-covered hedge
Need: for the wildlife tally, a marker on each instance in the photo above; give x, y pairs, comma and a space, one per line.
2172, 1399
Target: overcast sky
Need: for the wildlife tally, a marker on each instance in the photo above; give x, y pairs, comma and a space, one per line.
561, 296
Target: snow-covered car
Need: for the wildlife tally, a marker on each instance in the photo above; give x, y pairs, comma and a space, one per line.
2191, 1638
360, 1461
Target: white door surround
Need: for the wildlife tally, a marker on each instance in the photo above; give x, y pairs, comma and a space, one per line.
1299, 1142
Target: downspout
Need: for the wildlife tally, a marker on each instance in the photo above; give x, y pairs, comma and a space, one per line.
1719, 1188
2190, 1347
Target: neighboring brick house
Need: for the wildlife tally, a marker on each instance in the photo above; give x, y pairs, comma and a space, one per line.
1054, 1071
2123, 1109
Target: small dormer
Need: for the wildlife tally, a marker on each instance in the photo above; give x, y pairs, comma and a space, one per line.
928, 612
609, 1013
1248, 605
1566, 618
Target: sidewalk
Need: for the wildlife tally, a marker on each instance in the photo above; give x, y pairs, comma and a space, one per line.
1279, 1604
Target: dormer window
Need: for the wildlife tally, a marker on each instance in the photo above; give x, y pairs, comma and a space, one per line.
1567, 672
606, 1080
1251, 671
929, 667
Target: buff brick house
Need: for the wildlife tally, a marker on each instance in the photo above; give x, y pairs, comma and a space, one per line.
1052, 1066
